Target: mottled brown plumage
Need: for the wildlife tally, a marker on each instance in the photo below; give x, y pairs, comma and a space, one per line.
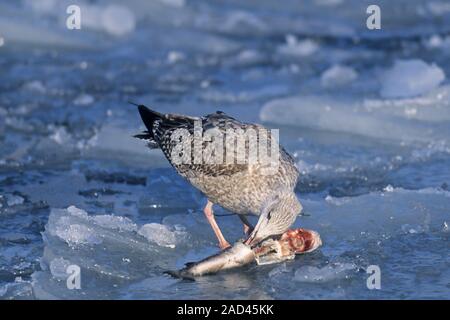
241, 188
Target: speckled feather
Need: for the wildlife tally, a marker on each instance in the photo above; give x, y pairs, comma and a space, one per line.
240, 188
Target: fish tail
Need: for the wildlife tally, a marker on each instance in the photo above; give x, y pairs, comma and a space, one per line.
181, 274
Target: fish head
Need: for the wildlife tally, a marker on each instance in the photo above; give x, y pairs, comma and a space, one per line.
300, 240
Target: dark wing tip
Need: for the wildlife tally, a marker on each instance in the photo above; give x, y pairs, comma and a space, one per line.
144, 136
133, 103
143, 110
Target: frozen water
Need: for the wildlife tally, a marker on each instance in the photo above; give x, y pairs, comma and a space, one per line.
338, 76
365, 114
387, 119
160, 234
328, 273
118, 20
409, 78
298, 48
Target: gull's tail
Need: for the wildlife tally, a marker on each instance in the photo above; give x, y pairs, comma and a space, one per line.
149, 117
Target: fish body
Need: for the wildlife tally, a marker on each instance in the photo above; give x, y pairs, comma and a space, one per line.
269, 251
238, 255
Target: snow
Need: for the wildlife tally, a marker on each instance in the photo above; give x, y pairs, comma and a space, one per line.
410, 78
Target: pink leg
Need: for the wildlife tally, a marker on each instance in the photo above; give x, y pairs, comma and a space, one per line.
223, 244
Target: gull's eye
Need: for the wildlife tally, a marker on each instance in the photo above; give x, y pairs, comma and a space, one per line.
269, 215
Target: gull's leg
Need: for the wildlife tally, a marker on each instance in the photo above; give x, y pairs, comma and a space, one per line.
248, 228
223, 244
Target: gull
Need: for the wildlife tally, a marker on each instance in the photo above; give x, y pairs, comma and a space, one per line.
242, 188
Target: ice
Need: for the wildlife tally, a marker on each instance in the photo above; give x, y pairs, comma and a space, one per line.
174, 3
378, 213
242, 21
36, 86
58, 268
118, 20
161, 234
388, 119
328, 273
14, 200
175, 56
337, 76
115, 222
76, 234
61, 136
410, 78
294, 47
374, 167
356, 232
123, 255
84, 100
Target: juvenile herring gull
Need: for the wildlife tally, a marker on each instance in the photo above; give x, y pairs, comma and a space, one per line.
242, 188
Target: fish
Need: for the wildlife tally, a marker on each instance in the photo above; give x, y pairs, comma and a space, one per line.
291, 243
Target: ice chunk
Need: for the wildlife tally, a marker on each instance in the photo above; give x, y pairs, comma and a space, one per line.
294, 47
77, 212
84, 100
160, 234
58, 268
76, 234
239, 21
122, 258
409, 78
337, 76
377, 214
61, 136
388, 119
14, 200
115, 222
330, 272
175, 56
118, 20
35, 86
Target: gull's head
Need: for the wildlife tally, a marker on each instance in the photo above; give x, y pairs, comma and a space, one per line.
277, 215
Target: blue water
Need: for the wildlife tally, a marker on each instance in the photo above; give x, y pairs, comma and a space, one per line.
375, 170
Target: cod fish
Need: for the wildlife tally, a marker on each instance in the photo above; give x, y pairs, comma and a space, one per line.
269, 251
